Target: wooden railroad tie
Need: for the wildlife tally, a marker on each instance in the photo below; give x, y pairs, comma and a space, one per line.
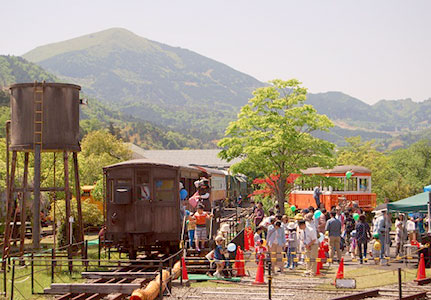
358, 296
101, 288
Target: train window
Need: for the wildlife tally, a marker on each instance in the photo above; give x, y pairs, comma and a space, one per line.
123, 191
165, 189
143, 185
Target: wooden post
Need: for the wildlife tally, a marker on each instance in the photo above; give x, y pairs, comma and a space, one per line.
9, 208
67, 199
32, 273
36, 202
13, 279
78, 203
23, 215
400, 289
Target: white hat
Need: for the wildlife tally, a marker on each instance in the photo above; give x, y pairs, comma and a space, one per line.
291, 226
219, 237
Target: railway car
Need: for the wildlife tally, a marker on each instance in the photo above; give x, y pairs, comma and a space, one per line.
142, 202
337, 188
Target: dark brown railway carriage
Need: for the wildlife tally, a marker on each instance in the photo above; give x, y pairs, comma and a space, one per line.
143, 205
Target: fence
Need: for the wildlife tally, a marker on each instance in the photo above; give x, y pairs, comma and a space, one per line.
30, 275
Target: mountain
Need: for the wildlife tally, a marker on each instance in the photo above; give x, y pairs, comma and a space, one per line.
167, 85
393, 123
184, 92
95, 115
15, 69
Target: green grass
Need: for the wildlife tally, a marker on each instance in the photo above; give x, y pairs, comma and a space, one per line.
42, 275
374, 276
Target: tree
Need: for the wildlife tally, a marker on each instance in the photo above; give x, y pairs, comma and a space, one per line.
272, 135
100, 149
387, 181
414, 164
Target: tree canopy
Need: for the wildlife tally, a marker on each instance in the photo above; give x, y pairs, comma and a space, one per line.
272, 135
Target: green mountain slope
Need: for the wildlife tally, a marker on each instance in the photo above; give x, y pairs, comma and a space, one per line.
168, 85
185, 92
95, 115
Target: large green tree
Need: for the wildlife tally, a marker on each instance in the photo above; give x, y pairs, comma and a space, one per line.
272, 135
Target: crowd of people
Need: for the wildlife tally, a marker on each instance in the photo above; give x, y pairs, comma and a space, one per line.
335, 233
307, 234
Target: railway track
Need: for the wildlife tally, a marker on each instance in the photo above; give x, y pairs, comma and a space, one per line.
113, 283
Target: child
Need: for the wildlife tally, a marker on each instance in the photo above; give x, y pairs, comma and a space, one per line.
377, 247
398, 238
260, 250
201, 229
353, 244
219, 257
191, 226
292, 246
258, 235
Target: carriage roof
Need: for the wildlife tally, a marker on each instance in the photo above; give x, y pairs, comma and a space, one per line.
337, 170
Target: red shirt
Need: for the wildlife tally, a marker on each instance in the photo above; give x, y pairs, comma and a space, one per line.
201, 219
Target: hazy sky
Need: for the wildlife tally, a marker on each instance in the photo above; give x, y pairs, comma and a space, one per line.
369, 49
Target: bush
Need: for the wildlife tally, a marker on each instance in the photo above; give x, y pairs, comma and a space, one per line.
91, 215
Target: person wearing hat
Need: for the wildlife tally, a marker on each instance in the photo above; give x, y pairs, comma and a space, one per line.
219, 256
292, 245
201, 230
380, 228
311, 247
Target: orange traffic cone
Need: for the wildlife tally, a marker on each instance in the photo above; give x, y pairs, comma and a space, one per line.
239, 262
340, 272
246, 245
320, 263
260, 271
184, 275
251, 238
421, 268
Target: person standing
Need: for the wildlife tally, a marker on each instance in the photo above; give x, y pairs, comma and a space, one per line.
399, 236
362, 235
333, 226
311, 247
316, 195
321, 225
259, 214
276, 240
380, 229
292, 245
201, 231
349, 226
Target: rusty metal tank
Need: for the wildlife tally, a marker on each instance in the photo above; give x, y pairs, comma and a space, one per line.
45, 114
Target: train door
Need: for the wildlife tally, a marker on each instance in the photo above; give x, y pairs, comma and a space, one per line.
143, 201
166, 204
119, 197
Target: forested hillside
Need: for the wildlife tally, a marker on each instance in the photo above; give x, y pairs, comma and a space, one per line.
94, 115
166, 85
183, 91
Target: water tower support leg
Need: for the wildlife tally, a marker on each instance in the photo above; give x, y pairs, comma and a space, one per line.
67, 200
36, 203
9, 209
78, 202
22, 205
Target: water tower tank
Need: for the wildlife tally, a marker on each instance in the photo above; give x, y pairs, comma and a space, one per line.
45, 113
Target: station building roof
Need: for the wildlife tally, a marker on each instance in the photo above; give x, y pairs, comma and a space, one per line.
207, 158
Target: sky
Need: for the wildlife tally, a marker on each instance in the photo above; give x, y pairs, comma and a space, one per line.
369, 49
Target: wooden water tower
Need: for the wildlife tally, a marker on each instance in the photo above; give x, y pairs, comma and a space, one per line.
44, 118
